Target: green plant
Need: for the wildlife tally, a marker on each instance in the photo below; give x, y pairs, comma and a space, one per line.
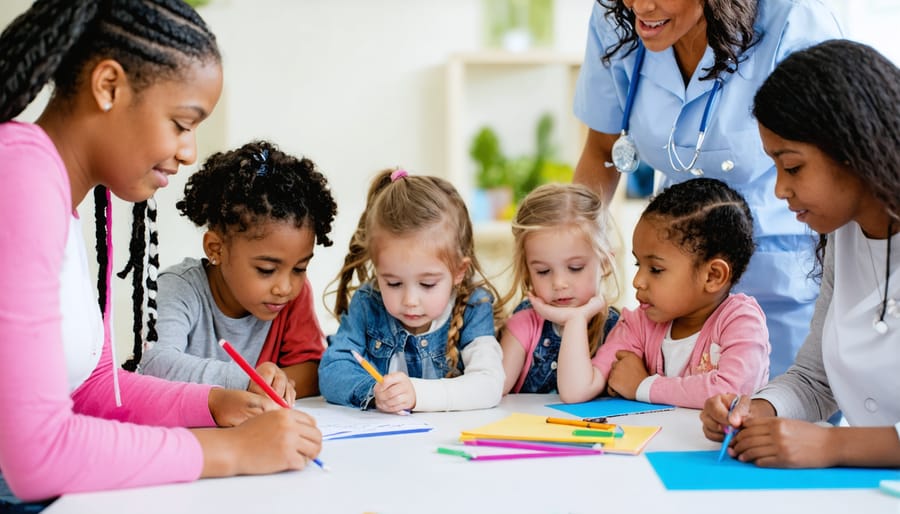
485, 150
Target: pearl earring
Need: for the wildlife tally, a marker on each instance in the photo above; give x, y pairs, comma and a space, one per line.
107, 106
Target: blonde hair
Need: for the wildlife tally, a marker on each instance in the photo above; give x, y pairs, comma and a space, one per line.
410, 204
555, 206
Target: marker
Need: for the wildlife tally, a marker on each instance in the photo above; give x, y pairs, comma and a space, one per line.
261, 382
583, 432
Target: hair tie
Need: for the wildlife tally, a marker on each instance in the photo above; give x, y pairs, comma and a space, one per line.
261, 158
398, 174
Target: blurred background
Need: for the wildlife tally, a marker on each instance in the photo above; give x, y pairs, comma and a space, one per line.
477, 91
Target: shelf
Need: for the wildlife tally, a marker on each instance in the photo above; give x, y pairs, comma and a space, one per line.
529, 58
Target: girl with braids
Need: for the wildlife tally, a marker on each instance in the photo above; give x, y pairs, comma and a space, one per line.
830, 119
132, 80
421, 311
264, 211
563, 263
690, 337
702, 62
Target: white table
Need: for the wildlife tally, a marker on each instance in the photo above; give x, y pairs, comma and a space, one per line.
403, 473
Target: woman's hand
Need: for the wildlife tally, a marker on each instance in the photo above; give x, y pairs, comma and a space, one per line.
231, 407
275, 441
774, 442
395, 394
715, 416
275, 377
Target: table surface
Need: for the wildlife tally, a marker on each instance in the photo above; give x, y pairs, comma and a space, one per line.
403, 473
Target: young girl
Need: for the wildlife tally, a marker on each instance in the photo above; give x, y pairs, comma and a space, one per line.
828, 117
563, 263
423, 313
264, 211
132, 81
690, 337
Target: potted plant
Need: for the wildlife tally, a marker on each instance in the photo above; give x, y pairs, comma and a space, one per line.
492, 175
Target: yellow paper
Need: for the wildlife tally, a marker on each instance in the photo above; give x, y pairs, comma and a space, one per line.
530, 427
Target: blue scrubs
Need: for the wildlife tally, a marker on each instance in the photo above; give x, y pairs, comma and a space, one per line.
778, 275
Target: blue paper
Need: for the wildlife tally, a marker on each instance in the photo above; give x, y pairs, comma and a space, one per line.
609, 407
701, 471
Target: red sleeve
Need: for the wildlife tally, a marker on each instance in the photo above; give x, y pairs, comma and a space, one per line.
295, 335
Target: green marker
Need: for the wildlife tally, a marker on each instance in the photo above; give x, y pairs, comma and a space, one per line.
456, 453
583, 432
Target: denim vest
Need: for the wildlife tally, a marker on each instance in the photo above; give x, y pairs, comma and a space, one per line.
541, 377
369, 329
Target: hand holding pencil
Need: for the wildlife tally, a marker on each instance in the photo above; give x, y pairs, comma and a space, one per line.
394, 393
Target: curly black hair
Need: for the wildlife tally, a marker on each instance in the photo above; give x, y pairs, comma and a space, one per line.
729, 31
707, 219
844, 98
236, 190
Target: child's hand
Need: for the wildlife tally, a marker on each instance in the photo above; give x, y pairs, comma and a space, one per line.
784, 443
275, 441
395, 394
231, 407
275, 377
626, 374
562, 315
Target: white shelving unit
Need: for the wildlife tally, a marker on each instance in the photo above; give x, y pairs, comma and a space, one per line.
478, 92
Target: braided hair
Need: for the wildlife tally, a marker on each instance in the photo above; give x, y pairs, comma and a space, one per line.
707, 219
729, 32
408, 205
54, 41
842, 97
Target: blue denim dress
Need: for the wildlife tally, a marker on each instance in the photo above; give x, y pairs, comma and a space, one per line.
368, 328
541, 377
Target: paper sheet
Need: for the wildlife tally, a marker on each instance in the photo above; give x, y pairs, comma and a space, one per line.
348, 423
701, 470
609, 407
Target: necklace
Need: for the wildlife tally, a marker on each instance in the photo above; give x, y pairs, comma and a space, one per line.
887, 305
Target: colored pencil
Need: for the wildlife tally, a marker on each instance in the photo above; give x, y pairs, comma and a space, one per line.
512, 456
374, 372
729, 430
261, 382
548, 447
581, 423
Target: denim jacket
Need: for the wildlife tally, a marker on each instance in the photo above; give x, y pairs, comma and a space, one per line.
541, 377
368, 328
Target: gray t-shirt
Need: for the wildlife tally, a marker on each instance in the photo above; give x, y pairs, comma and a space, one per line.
190, 326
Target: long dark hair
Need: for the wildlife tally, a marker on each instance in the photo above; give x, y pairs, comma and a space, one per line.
729, 31
844, 98
54, 40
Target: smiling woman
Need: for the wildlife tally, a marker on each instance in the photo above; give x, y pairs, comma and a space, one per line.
132, 80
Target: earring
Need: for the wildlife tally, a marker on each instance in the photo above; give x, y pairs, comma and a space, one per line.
212, 261
107, 106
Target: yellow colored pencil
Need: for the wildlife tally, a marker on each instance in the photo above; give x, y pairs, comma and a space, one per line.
367, 366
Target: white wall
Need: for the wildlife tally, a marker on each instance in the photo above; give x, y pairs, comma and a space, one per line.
356, 86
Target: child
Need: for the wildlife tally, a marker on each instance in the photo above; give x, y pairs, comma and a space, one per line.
828, 117
690, 337
132, 82
419, 315
264, 211
562, 261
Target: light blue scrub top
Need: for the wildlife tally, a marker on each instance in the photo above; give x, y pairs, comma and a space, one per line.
778, 275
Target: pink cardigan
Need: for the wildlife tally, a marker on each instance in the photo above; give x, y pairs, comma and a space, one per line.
53, 442
737, 326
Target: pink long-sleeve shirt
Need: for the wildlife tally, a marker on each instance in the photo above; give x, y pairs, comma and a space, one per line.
56, 375
737, 327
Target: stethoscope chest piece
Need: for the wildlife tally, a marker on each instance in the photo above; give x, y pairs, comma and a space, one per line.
624, 154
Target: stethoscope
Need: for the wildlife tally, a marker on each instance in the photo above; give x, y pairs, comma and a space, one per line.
624, 152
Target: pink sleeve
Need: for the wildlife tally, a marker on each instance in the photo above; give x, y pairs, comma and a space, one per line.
526, 326
46, 448
627, 334
740, 331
